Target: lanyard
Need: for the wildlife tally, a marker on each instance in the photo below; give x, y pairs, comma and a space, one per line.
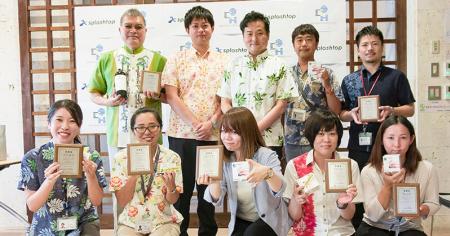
145, 190
364, 87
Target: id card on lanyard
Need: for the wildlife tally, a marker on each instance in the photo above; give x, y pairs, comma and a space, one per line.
145, 226
365, 138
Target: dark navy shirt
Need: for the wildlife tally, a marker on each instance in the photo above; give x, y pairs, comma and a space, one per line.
392, 87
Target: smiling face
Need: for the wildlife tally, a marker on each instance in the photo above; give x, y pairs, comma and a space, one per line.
370, 49
200, 31
63, 127
256, 38
396, 140
147, 129
133, 31
325, 143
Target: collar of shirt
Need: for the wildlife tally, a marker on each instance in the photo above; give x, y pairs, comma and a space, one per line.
199, 55
310, 157
260, 58
131, 51
366, 73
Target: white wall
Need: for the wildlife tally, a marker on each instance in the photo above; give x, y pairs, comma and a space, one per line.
11, 115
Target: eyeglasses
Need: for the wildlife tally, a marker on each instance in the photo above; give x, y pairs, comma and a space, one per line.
142, 129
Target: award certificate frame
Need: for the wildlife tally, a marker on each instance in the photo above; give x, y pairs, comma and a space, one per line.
69, 157
406, 199
338, 175
209, 161
139, 159
368, 108
150, 81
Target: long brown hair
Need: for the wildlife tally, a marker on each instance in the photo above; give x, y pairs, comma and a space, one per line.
413, 156
242, 121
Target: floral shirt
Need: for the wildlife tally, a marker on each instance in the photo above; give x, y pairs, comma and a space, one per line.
315, 93
74, 195
197, 79
257, 85
102, 82
154, 207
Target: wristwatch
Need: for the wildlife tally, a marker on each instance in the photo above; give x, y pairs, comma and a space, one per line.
269, 174
342, 207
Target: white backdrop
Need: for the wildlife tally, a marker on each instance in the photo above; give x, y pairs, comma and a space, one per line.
97, 33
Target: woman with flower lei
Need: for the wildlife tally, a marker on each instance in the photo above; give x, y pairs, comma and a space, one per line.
320, 213
62, 206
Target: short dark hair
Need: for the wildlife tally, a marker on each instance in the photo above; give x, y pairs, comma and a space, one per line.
145, 110
242, 121
198, 12
305, 29
322, 119
369, 30
413, 156
255, 16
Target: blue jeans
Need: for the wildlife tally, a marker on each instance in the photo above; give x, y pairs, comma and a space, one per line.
292, 151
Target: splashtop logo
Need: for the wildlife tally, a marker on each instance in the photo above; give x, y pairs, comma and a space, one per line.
96, 22
173, 19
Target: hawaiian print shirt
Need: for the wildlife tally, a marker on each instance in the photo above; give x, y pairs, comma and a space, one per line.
102, 82
154, 207
257, 85
197, 79
74, 195
315, 93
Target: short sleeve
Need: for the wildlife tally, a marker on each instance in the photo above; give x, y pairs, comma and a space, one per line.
290, 176
287, 88
28, 172
170, 72
119, 175
98, 82
224, 90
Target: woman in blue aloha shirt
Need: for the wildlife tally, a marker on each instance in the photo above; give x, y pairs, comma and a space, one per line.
53, 198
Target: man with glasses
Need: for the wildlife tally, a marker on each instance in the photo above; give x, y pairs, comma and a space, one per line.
373, 78
191, 79
131, 59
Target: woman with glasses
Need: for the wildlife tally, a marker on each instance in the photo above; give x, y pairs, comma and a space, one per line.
256, 203
148, 199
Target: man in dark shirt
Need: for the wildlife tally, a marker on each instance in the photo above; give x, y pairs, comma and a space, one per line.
373, 78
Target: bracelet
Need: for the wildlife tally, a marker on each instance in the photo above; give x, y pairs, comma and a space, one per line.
344, 206
329, 91
269, 174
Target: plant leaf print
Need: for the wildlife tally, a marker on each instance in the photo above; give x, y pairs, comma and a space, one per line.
72, 191
32, 164
240, 99
55, 205
45, 232
226, 76
42, 212
259, 98
47, 154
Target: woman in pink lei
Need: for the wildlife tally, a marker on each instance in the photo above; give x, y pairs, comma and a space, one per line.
316, 212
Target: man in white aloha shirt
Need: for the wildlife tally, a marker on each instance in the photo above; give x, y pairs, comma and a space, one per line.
261, 82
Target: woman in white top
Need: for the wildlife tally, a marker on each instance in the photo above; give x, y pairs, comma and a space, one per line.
396, 136
320, 213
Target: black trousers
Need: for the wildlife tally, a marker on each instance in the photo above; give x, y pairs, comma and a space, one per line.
247, 228
361, 158
367, 230
187, 149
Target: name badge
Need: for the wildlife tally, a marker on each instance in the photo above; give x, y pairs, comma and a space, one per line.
143, 226
67, 223
365, 139
298, 114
